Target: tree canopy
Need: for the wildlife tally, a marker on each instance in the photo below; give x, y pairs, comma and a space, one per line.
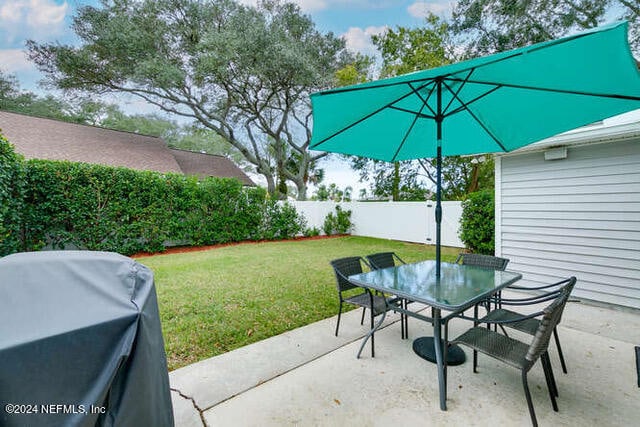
489, 26
242, 72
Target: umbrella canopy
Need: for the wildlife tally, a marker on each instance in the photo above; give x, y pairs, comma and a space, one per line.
496, 103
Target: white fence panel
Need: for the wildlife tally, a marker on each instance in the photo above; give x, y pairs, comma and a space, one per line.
451, 214
405, 221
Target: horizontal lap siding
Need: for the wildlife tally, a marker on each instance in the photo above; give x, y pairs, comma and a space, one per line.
578, 216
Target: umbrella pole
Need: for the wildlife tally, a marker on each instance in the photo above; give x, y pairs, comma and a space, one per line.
438, 207
439, 118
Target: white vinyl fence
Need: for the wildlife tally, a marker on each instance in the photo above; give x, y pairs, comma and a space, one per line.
405, 221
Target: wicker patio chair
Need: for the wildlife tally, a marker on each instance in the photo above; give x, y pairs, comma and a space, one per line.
486, 261
530, 326
377, 304
518, 354
391, 259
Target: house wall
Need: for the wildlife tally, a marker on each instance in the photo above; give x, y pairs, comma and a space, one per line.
576, 216
405, 221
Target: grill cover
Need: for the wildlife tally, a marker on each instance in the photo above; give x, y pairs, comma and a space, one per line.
80, 342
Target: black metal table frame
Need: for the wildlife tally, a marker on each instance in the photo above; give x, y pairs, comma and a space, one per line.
438, 322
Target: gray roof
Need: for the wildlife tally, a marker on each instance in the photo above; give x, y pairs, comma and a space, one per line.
42, 138
204, 165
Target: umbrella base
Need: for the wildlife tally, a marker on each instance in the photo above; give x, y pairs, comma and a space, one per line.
424, 347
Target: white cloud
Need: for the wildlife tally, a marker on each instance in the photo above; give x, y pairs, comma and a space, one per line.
47, 13
32, 18
11, 12
312, 5
359, 40
420, 9
15, 61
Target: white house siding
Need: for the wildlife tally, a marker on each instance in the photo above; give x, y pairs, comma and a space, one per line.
577, 216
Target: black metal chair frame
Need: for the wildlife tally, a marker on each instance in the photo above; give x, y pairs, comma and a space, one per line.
536, 350
377, 304
382, 260
529, 326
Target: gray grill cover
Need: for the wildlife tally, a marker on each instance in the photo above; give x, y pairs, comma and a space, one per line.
80, 330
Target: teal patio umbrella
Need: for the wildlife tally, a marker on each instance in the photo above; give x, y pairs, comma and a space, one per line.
496, 103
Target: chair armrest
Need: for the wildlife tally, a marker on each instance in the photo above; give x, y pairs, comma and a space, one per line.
535, 299
503, 322
533, 288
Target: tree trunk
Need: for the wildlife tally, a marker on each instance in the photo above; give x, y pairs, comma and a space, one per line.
301, 185
395, 190
475, 172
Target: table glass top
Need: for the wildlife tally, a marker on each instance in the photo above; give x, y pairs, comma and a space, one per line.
457, 286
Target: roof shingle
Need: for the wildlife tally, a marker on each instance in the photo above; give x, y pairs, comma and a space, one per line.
204, 165
42, 138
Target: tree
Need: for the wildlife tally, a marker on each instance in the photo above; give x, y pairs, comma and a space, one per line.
244, 73
400, 181
405, 50
490, 26
356, 71
12, 98
333, 193
464, 175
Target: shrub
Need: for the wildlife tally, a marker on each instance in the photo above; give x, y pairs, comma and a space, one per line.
478, 222
121, 210
340, 223
311, 232
282, 221
11, 197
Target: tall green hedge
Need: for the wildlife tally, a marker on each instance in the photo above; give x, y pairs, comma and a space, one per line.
95, 207
477, 223
11, 197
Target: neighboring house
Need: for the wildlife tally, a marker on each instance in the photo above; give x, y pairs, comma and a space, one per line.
205, 165
41, 138
570, 205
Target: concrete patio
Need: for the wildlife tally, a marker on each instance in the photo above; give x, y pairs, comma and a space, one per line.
309, 377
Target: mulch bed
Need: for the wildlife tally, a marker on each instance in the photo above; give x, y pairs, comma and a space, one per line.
185, 249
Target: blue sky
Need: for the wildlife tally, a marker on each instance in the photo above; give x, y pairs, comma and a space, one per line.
355, 20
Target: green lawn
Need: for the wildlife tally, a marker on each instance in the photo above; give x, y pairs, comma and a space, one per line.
220, 299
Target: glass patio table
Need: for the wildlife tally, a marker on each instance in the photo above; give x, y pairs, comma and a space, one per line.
458, 288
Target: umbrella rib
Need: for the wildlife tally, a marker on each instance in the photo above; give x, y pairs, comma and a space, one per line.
455, 95
406, 135
546, 89
425, 101
466, 107
477, 98
418, 114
